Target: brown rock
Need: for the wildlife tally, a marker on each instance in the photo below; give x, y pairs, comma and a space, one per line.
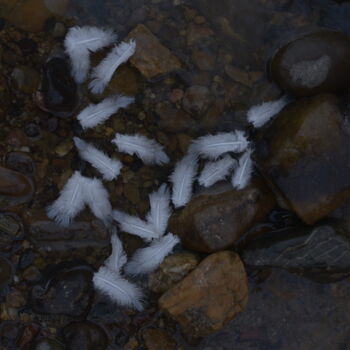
210, 296
196, 100
214, 221
151, 57
16, 138
171, 271
197, 33
26, 79
241, 76
305, 156
158, 339
203, 60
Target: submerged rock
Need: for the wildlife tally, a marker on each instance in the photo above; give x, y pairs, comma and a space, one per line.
209, 297
158, 339
11, 230
47, 344
305, 156
313, 64
6, 272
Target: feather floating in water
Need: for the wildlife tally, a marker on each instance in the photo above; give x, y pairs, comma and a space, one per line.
148, 259
243, 171
134, 225
182, 179
118, 258
216, 171
108, 167
213, 146
149, 151
160, 209
103, 73
117, 288
261, 114
96, 114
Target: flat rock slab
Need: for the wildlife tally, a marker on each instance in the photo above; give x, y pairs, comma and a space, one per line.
305, 155
151, 58
210, 296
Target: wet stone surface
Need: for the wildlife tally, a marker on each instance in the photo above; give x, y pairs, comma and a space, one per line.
11, 230
158, 339
6, 272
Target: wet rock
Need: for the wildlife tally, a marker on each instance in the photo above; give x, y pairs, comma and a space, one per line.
176, 95
240, 76
214, 221
33, 131
197, 33
15, 188
313, 64
47, 344
16, 138
26, 79
304, 154
209, 297
6, 272
158, 339
151, 57
20, 162
171, 271
84, 336
64, 290
64, 147
11, 230
196, 100
204, 60
321, 253
31, 274
10, 332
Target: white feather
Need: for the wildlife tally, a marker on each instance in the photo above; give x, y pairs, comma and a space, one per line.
79, 41
213, 146
108, 167
134, 225
216, 171
150, 151
70, 202
182, 179
97, 198
103, 73
148, 259
96, 114
118, 258
243, 171
117, 288
261, 114
160, 210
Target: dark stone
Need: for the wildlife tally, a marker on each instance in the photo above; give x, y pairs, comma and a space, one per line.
20, 162
28, 46
64, 290
11, 230
196, 100
32, 130
47, 344
305, 154
10, 332
84, 336
6, 272
315, 63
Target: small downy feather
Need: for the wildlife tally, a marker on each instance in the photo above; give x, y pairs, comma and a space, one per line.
216, 171
108, 167
182, 179
97, 198
149, 151
134, 225
70, 202
261, 114
118, 258
117, 288
243, 171
148, 259
213, 146
96, 114
103, 73
160, 209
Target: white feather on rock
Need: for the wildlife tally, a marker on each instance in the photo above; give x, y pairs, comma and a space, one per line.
213, 146
160, 210
118, 258
216, 171
96, 114
148, 259
117, 288
182, 179
103, 73
243, 171
71, 201
134, 225
261, 114
108, 167
149, 151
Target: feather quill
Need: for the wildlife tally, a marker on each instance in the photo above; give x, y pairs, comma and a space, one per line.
118, 258
182, 179
216, 171
149, 151
96, 114
70, 202
148, 259
160, 210
108, 167
243, 171
103, 73
134, 225
213, 146
117, 288
259, 115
